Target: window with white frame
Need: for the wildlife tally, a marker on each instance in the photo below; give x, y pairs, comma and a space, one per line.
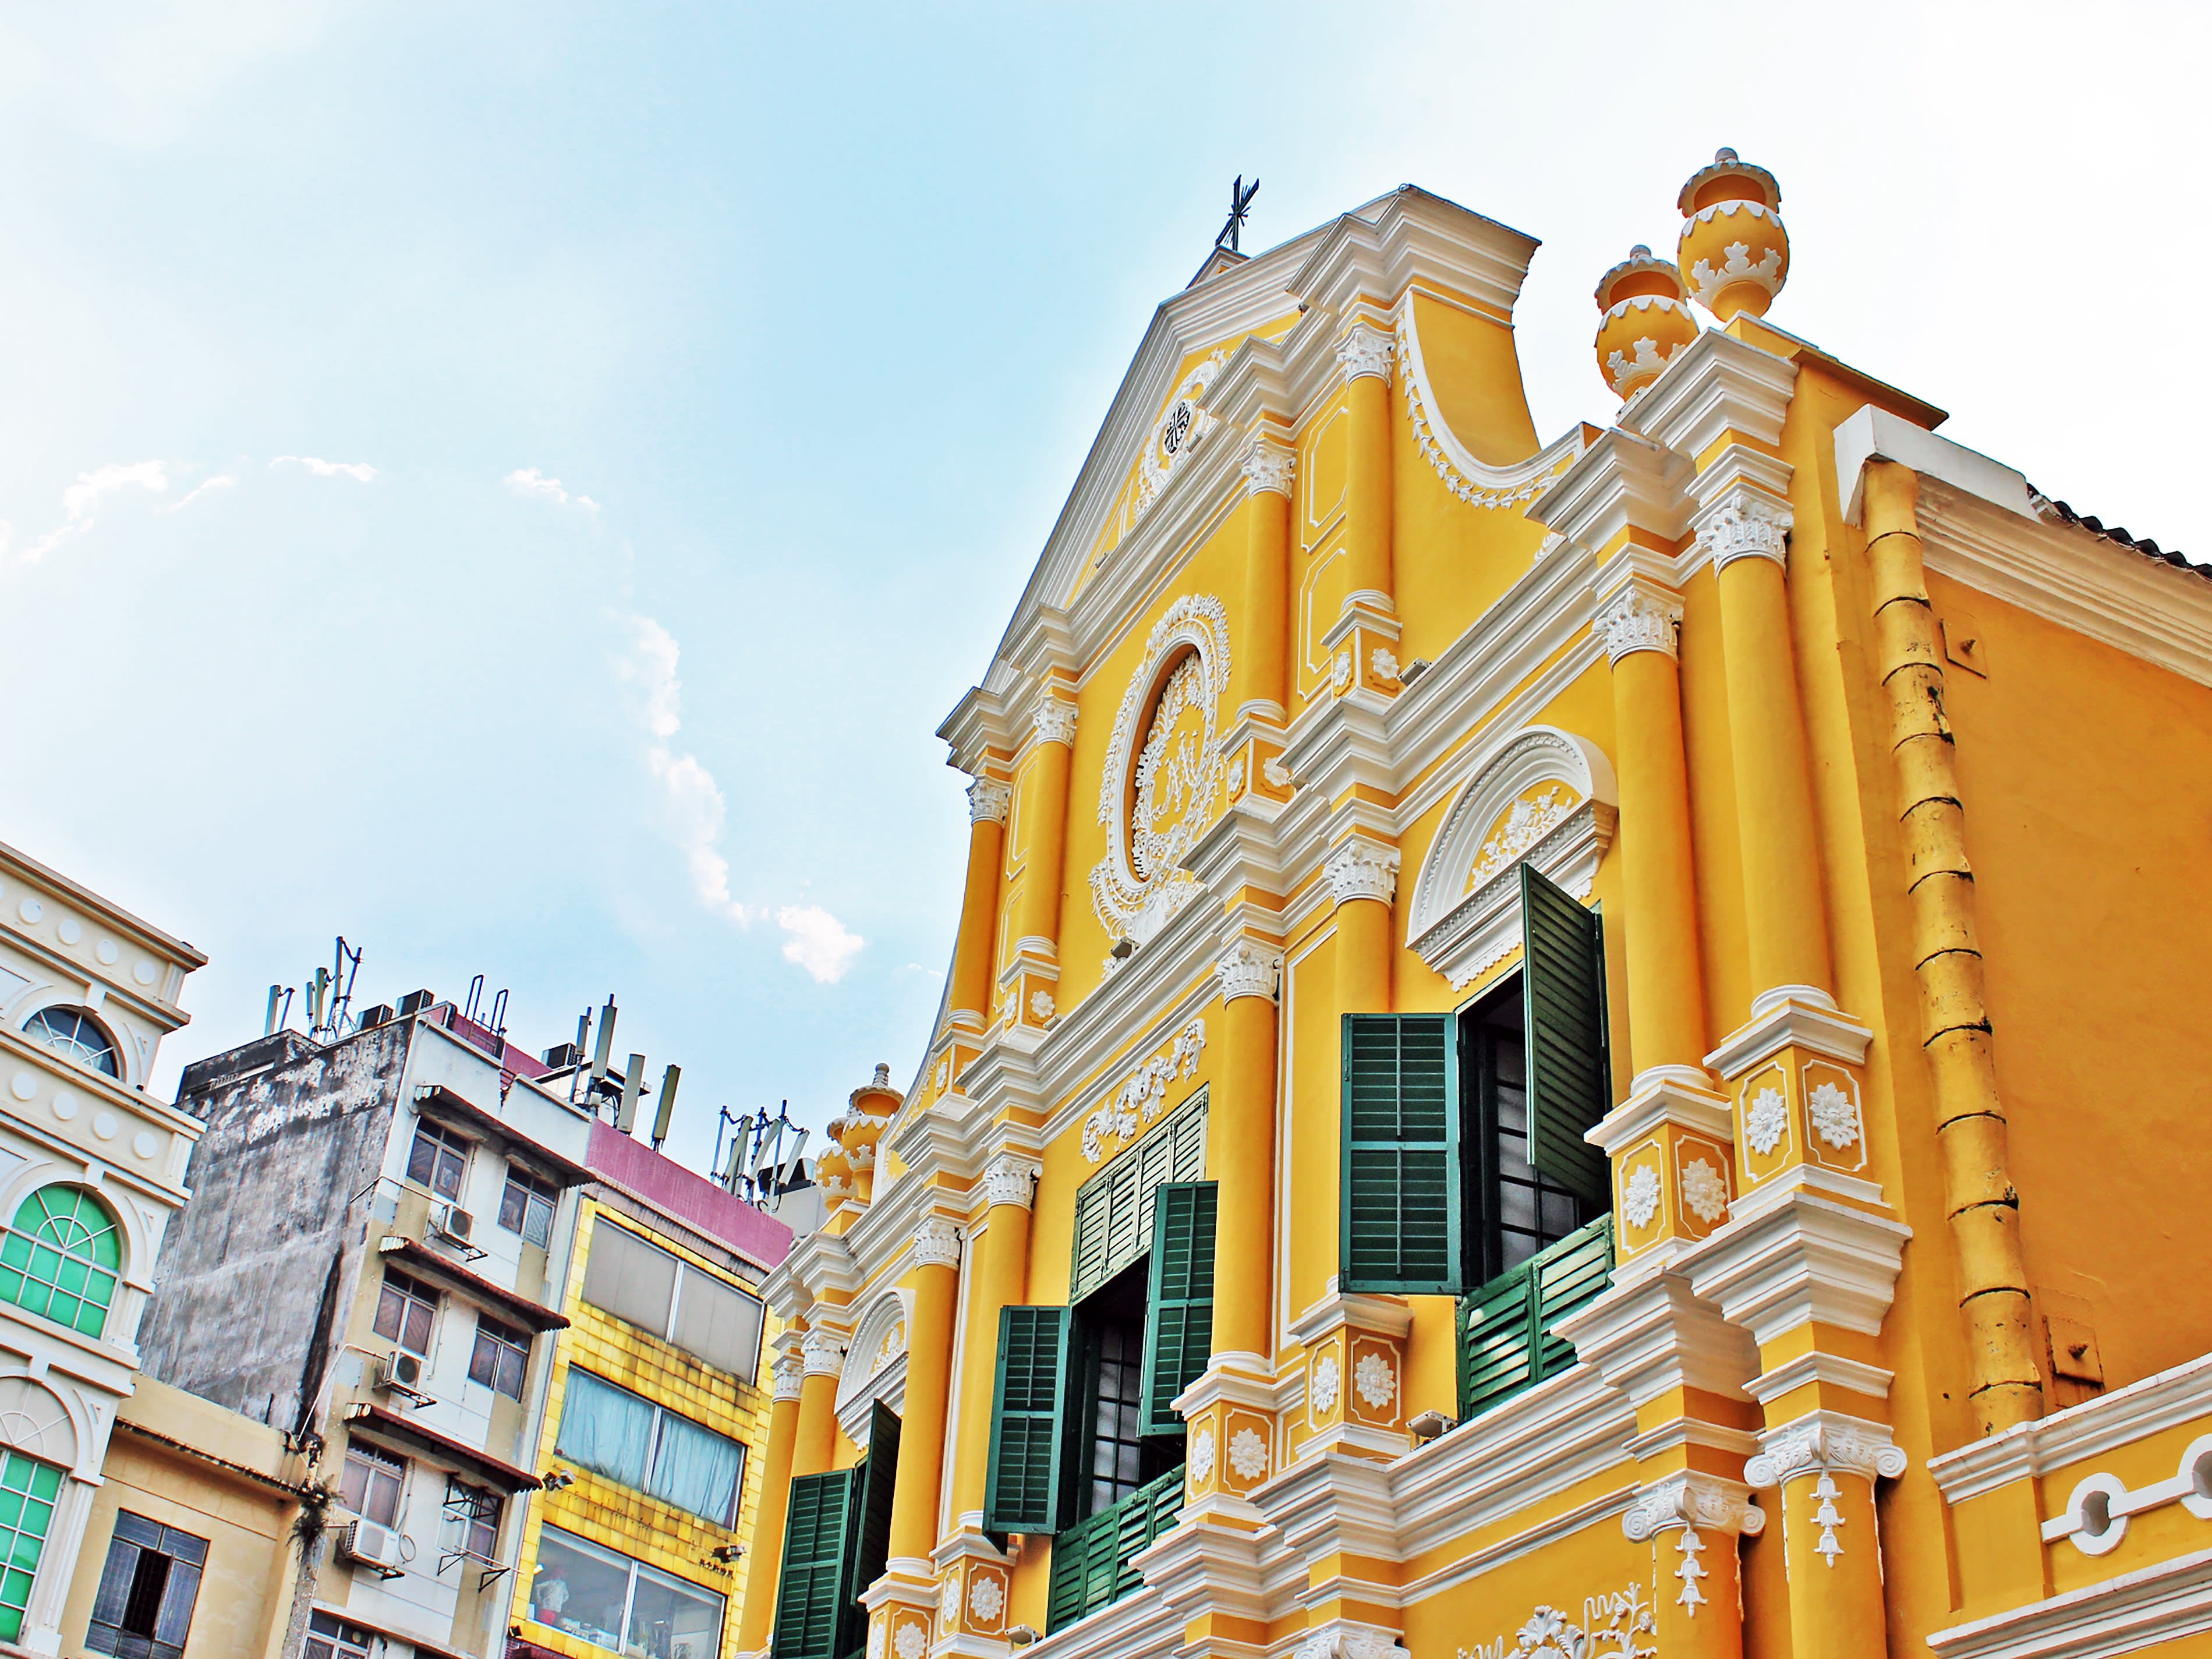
627, 1438
589, 1592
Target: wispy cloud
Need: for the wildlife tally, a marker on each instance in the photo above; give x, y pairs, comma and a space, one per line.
322, 468
818, 943
221, 480
689, 793
81, 500
529, 481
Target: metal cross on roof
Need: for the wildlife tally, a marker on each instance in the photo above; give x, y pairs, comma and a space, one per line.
1240, 205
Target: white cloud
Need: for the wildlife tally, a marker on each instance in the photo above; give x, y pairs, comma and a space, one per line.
818, 943
81, 500
529, 481
221, 480
322, 468
689, 793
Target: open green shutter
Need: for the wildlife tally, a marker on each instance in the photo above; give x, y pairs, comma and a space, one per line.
878, 1475
1569, 1081
818, 1537
1028, 1421
1568, 1275
1402, 1217
1179, 1298
1114, 1208
1506, 1339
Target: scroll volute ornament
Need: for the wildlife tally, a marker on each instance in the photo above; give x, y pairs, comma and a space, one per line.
1733, 249
1646, 321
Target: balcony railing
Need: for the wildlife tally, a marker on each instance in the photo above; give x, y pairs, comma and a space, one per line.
1092, 1560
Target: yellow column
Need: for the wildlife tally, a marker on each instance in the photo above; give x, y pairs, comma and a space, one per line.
1241, 1128
1363, 878
814, 1441
1666, 975
999, 1268
1693, 1522
987, 800
1980, 1200
935, 1283
1261, 685
1365, 355
1785, 914
1047, 829
764, 1560
1825, 1469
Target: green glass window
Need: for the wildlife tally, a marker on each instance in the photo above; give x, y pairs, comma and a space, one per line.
27, 1491
61, 1259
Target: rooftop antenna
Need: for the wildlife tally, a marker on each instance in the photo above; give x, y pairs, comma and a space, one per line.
669, 1079
727, 1172
278, 1017
328, 1014
1240, 207
633, 1085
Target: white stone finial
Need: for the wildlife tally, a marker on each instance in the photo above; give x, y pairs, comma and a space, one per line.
936, 1244
1269, 465
1247, 970
1639, 618
989, 800
1362, 870
1366, 351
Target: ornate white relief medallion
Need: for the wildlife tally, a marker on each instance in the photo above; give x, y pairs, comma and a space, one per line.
1144, 1093
1704, 1191
1640, 1196
1835, 1115
912, 1640
1376, 1380
1162, 783
987, 1597
1183, 426
1764, 1122
1339, 672
1328, 1375
1201, 1455
1248, 1454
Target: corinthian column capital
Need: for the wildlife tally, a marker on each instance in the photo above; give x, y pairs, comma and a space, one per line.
1364, 350
1247, 970
1639, 618
988, 800
1362, 870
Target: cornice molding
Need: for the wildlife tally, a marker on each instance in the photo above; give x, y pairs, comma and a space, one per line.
1801, 1260
1716, 385
2132, 1612
2078, 1434
1623, 481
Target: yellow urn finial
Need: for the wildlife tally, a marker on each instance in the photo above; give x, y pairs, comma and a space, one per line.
1734, 248
1645, 321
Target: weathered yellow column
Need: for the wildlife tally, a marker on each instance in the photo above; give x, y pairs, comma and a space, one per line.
814, 1440
764, 1557
970, 1005
1241, 1132
935, 1284
1364, 353
997, 1268
1980, 1201
1825, 1466
1260, 671
1363, 878
1693, 1522
1746, 532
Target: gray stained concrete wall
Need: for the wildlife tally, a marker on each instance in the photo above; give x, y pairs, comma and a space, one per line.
258, 1271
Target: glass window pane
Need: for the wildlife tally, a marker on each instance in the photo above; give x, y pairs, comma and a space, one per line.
581, 1589
696, 1469
672, 1620
30, 1487
717, 1322
629, 1277
606, 1430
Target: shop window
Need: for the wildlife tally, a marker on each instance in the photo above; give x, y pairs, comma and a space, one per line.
439, 1159
648, 1287
501, 1357
27, 1491
143, 1606
371, 1484
63, 1258
627, 1438
407, 1312
596, 1595
525, 1206
74, 1034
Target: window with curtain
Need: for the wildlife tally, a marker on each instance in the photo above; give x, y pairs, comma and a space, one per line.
407, 1312
501, 1358
144, 1608
629, 1440
63, 1258
525, 1206
438, 1159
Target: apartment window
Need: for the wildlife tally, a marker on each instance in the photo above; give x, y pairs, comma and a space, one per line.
627, 1438
143, 1606
27, 1491
62, 1258
438, 1159
525, 1206
471, 1520
74, 1034
371, 1484
501, 1357
621, 1605
332, 1638
649, 1288
406, 1309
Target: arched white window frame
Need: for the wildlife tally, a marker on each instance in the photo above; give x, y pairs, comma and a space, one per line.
1460, 934
864, 1382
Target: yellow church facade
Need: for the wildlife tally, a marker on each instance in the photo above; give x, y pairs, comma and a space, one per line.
1569, 1048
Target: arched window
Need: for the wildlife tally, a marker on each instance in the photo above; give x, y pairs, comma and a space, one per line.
74, 1032
62, 1258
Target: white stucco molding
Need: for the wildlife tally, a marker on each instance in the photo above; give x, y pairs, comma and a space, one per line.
1877, 434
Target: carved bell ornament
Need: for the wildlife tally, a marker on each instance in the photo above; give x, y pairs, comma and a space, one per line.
1645, 323
1733, 248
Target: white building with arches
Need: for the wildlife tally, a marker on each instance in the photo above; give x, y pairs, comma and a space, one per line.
92, 1170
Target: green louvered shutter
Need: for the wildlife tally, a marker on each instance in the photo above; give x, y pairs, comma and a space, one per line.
1179, 1298
1569, 1080
818, 1537
1497, 1355
877, 1475
1402, 1217
1568, 1275
1028, 1421
1114, 1208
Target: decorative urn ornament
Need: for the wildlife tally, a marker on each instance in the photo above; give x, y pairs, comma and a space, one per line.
1733, 248
1645, 323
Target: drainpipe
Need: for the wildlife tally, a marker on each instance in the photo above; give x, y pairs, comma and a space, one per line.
1980, 1204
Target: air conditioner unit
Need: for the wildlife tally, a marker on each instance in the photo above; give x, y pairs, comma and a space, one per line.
365, 1544
399, 1371
456, 1224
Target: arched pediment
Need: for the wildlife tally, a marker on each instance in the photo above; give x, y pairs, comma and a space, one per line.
1547, 798
875, 1365
34, 1421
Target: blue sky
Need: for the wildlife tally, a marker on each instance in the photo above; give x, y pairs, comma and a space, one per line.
519, 486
